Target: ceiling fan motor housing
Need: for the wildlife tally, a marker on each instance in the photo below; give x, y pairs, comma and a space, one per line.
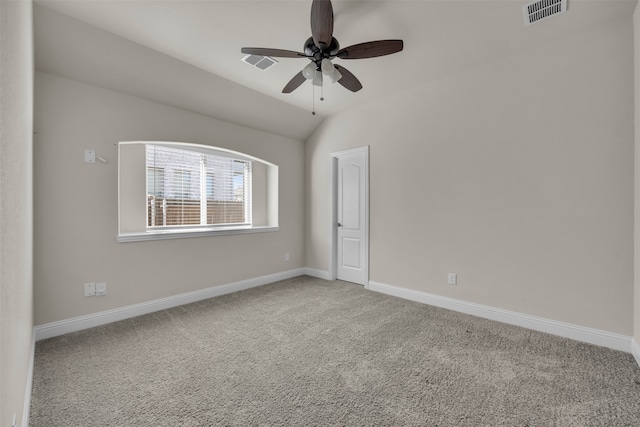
316, 54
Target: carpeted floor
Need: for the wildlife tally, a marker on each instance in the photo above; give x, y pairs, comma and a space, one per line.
305, 352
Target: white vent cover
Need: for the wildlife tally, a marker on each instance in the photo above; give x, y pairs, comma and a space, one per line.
261, 62
538, 10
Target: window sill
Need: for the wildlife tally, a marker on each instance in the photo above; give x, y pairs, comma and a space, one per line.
184, 234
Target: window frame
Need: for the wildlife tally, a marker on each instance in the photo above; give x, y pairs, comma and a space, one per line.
189, 231
156, 171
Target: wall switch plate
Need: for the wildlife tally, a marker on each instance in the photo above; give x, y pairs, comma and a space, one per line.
89, 289
101, 289
286, 256
89, 156
453, 279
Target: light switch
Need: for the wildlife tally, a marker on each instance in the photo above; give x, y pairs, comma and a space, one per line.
101, 289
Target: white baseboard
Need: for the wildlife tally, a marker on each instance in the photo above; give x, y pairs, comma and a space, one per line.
320, 274
26, 410
566, 330
66, 326
635, 350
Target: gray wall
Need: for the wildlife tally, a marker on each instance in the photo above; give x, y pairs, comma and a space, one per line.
16, 207
517, 175
76, 204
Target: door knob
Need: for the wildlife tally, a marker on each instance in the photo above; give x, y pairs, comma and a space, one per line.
339, 225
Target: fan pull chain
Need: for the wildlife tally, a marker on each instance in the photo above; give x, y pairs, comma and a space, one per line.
313, 100
322, 92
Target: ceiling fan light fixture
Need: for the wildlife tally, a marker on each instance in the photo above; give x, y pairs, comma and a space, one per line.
329, 70
309, 71
334, 76
317, 78
327, 66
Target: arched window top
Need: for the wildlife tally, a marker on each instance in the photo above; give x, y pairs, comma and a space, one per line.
201, 148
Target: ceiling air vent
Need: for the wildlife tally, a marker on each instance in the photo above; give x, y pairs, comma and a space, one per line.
261, 62
539, 10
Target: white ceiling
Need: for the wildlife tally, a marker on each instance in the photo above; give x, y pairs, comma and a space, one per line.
203, 39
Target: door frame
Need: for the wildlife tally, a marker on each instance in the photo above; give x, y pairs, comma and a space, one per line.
333, 211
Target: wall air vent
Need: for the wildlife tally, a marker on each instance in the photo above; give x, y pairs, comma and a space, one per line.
539, 10
261, 62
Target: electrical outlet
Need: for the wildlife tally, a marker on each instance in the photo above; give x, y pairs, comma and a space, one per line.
286, 256
89, 156
453, 279
101, 289
89, 289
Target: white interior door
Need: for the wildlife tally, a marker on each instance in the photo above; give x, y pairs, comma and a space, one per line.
351, 227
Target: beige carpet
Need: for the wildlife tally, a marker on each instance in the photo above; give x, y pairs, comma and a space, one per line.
307, 352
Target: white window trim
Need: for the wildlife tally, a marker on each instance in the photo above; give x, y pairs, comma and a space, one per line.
199, 232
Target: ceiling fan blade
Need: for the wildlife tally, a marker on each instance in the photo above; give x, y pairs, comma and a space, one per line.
278, 53
294, 83
348, 80
322, 23
371, 49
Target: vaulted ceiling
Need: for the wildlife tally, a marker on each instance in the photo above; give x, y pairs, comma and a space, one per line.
187, 53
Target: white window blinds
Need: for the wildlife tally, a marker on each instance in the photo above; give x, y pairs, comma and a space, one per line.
194, 188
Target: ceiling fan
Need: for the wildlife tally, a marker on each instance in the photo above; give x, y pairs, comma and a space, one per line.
322, 47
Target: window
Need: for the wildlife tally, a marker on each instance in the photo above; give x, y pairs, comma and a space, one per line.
155, 181
181, 183
197, 188
172, 190
209, 185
